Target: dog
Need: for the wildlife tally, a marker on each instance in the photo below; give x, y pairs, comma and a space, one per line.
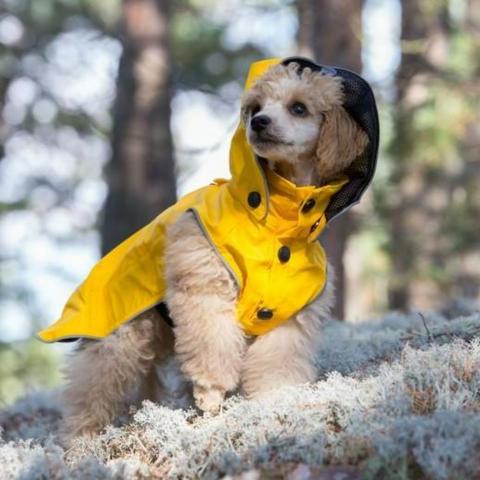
297, 129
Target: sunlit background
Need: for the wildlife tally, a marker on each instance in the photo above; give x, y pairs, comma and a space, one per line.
414, 244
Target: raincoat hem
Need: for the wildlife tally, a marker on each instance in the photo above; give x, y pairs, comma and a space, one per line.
95, 337
68, 337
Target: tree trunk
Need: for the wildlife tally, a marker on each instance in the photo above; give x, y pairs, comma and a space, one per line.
333, 28
422, 34
140, 175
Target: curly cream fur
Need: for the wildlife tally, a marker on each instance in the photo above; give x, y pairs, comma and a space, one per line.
207, 353
102, 373
340, 142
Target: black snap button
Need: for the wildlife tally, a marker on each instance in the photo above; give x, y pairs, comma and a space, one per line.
284, 254
308, 205
264, 313
254, 199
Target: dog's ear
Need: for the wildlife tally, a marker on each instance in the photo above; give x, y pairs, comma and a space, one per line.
341, 140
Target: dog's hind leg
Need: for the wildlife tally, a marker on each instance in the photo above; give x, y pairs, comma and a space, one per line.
101, 374
201, 297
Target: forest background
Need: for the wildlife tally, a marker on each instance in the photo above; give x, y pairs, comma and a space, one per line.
110, 110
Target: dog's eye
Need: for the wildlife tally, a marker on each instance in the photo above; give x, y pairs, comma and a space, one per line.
298, 109
254, 109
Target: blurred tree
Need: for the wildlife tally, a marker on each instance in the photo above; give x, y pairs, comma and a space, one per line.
141, 177
53, 151
412, 65
39, 122
431, 202
331, 31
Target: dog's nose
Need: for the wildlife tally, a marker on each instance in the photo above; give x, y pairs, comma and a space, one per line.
259, 122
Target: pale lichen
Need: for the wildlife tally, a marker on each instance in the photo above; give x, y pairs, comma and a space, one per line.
398, 397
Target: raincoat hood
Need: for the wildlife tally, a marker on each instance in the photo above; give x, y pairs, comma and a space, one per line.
359, 102
258, 223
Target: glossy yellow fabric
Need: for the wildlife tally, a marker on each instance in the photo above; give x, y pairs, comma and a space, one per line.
130, 279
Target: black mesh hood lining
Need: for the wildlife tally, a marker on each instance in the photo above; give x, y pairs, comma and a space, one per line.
360, 104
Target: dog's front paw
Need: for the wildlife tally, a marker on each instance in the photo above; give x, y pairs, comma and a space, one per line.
208, 399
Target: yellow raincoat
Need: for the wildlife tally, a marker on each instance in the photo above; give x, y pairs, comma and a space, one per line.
264, 228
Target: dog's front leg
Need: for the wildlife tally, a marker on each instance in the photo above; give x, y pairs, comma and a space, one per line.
286, 354
201, 296
283, 356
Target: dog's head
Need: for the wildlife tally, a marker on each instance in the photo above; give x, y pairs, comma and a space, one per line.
296, 118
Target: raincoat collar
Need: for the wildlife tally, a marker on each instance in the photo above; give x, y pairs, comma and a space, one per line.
288, 204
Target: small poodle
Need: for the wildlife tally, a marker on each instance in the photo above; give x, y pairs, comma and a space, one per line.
301, 140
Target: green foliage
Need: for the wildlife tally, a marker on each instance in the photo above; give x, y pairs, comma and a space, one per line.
430, 193
201, 59
26, 366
